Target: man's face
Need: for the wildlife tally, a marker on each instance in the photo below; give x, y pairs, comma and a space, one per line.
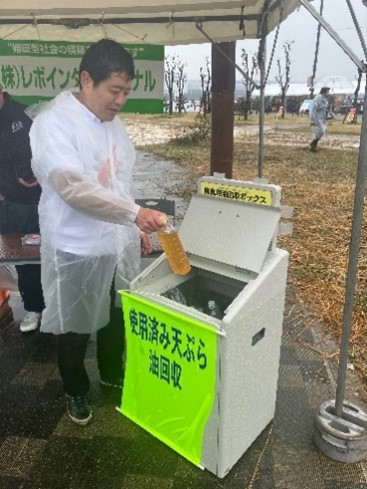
106, 99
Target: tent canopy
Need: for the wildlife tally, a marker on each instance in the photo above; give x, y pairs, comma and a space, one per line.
165, 22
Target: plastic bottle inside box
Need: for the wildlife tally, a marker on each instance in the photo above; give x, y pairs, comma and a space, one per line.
199, 291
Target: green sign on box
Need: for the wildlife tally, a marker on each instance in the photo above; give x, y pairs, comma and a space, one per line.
36, 71
170, 374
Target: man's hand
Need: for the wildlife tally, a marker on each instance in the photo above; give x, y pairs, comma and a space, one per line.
146, 244
2, 197
32, 183
149, 220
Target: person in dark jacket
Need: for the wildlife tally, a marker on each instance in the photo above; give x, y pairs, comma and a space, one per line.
19, 197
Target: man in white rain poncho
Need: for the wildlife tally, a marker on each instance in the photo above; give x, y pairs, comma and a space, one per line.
83, 160
318, 111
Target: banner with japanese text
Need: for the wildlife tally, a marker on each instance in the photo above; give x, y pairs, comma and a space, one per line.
170, 374
34, 71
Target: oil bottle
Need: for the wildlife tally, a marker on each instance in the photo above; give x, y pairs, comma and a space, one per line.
172, 246
214, 310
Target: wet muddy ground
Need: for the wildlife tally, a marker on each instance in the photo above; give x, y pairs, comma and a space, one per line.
143, 133
157, 178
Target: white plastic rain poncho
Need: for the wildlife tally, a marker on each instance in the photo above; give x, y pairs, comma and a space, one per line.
84, 167
8, 278
318, 115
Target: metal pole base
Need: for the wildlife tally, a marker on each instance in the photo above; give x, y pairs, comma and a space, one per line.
343, 439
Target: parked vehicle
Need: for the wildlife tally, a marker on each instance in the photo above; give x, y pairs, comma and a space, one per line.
305, 107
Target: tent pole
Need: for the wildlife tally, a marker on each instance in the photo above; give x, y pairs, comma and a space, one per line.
223, 88
358, 29
361, 178
262, 57
333, 34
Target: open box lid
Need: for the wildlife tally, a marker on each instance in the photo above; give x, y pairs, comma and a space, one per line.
229, 232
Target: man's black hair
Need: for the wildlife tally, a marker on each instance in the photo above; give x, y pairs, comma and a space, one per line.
104, 58
324, 90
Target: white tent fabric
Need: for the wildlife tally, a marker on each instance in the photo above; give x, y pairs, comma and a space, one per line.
165, 22
337, 84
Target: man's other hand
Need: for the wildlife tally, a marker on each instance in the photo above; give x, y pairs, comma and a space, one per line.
30, 184
146, 244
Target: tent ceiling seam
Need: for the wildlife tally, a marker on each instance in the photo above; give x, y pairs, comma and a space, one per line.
81, 21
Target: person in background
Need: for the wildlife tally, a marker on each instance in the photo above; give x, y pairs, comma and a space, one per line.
83, 159
318, 113
19, 197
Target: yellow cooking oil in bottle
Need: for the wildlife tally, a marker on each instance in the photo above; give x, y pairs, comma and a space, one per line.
172, 246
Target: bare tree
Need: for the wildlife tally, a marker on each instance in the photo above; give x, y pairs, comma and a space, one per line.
181, 79
283, 77
206, 88
170, 63
250, 70
175, 78
355, 101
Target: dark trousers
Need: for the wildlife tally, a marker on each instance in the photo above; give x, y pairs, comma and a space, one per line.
30, 288
23, 218
110, 346
314, 143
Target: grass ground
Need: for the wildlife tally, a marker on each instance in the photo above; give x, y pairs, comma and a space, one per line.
320, 188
